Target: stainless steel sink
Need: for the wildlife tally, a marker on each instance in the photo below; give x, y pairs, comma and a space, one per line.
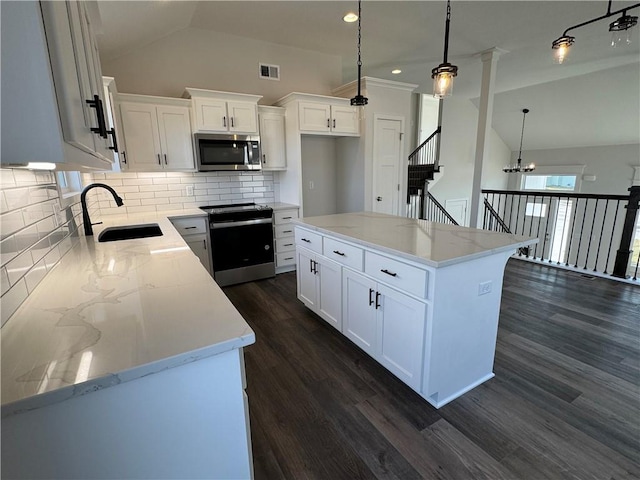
129, 232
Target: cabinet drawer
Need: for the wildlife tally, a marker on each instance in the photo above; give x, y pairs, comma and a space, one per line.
308, 239
343, 253
286, 244
285, 258
285, 230
284, 216
191, 225
404, 277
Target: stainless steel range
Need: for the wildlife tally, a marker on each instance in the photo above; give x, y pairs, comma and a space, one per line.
241, 242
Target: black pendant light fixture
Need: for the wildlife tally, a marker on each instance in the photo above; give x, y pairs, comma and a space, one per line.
359, 100
444, 73
517, 168
619, 29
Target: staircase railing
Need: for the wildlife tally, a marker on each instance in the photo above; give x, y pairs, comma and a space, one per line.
580, 231
425, 207
428, 152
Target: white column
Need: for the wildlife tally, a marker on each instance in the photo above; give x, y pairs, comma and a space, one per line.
485, 115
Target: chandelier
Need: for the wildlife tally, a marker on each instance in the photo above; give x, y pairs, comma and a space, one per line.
619, 28
518, 167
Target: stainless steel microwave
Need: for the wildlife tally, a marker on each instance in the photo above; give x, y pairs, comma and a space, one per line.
227, 152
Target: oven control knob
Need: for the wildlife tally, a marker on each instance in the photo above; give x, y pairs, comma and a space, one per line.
267, 247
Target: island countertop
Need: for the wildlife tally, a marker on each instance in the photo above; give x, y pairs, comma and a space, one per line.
430, 243
112, 312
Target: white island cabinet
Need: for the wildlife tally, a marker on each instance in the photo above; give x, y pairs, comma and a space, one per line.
126, 362
421, 298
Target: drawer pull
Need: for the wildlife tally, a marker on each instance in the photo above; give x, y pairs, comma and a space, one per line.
286, 218
189, 228
370, 299
288, 244
287, 231
388, 272
288, 258
338, 253
305, 240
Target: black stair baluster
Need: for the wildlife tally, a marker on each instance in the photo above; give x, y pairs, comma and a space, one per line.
518, 218
584, 216
564, 225
604, 219
573, 224
535, 249
593, 222
613, 229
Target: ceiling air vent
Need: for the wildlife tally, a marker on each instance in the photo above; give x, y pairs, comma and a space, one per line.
271, 72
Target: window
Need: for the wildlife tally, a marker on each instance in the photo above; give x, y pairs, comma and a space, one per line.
69, 186
565, 183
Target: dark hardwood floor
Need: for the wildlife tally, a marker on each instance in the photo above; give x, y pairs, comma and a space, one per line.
564, 402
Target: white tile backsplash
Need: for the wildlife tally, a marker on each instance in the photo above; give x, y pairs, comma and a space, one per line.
32, 229
167, 190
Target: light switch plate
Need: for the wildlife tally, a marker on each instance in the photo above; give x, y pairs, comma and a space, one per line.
484, 288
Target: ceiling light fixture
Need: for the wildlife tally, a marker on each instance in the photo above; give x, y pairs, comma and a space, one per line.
619, 28
359, 100
396, 71
444, 73
517, 168
350, 17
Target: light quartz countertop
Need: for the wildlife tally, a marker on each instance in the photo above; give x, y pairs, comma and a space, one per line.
112, 312
430, 243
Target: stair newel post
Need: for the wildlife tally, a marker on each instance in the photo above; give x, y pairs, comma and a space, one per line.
624, 251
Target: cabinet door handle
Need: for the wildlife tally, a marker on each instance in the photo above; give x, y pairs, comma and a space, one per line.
264, 158
189, 228
377, 298
101, 129
159, 161
124, 158
311, 265
388, 272
334, 123
328, 122
232, 125
224, 121
165, 159
378, 199
370, 299
114, 147
338, 253
204, 244
315, 267
305, 240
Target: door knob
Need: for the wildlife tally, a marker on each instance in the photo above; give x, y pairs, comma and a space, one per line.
379, 199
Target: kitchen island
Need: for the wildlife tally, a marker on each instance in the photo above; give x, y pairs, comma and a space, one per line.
421, 298
126, 362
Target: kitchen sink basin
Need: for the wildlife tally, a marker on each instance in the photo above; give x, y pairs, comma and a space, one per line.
129, 232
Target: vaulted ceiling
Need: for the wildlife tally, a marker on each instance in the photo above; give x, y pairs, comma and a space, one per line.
592, 99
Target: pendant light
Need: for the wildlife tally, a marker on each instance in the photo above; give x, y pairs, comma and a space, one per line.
620, 30
444, 73
517, 168
359, 100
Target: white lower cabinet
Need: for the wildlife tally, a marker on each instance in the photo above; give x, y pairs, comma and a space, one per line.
385, 323
283, 239
195, 232
320, 285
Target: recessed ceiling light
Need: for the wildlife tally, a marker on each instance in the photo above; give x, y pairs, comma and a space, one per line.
350, 17
396, 71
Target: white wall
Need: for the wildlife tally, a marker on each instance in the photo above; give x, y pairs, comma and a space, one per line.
319, 167
202, 58
612, 165
457, 154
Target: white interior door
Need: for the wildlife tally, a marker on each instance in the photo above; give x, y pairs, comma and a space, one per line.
387, 159
457, 209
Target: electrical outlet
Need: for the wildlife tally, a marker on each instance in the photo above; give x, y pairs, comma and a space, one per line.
189, 189
311, 185
484, 288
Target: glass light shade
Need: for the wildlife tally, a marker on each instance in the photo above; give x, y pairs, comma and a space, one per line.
561, 48
621, 38
442, 84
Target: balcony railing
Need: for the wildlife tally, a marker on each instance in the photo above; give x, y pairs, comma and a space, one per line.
580, 231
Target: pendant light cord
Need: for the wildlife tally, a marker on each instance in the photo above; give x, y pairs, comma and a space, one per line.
524, 116
359, 39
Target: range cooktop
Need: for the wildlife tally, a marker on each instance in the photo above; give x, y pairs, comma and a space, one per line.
235, 207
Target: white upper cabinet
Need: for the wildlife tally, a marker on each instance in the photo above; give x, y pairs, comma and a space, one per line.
157, 133
326, 118
52, 87
272, 138
215, 111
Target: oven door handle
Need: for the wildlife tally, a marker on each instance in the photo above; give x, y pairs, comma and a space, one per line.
241, 223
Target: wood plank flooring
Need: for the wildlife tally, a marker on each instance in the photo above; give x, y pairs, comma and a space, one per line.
564, 404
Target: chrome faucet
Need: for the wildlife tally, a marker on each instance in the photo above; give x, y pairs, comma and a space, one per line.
88, 226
